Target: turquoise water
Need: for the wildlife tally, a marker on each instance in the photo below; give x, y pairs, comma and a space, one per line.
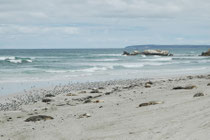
22, 69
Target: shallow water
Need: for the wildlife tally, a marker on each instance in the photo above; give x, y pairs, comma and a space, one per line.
22, 69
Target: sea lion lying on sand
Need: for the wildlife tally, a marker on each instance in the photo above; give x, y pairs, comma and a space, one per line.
150, 103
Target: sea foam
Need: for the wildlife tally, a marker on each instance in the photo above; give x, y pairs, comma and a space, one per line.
16, 60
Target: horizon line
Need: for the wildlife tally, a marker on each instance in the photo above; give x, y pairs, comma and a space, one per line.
108, 48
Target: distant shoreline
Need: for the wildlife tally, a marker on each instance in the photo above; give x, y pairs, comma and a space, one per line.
164, 46
143, 45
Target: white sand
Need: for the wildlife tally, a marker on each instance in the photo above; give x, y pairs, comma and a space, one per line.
117, 116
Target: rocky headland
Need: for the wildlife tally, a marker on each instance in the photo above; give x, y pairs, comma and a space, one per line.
207, 53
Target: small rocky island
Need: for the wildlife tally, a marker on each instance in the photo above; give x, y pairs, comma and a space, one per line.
149, 52
207, 53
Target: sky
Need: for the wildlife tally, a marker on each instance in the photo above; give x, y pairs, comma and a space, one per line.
102, 23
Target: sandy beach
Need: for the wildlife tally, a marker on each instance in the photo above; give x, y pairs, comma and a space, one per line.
104, 70
176, 108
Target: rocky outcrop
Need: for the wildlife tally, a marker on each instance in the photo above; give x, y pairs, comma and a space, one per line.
207, 53
132, 53
149, 52
157, 52
126, 53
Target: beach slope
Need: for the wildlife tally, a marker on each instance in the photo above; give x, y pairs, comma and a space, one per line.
176, 108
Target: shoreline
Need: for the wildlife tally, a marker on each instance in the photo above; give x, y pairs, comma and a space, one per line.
36, 94
14, 87
164, 108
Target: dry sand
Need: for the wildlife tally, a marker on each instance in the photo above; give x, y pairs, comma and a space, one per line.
114, 113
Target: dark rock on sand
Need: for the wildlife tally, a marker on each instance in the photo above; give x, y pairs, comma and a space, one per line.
9, 119
83, 98
95, 91
71, 94
208, 84
201, 76
150, 82
49, 95
198, 95
85, 115
190, 77
108, 93
150, 103
87, 101
46, 100
147, 86
82, 92
186, 87
207, 53
97, 96
38, 118
87, 98
130, 86
45, 109
61, 104
127, 87
98, 101
117, 89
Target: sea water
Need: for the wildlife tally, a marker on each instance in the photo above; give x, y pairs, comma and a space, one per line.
28, 68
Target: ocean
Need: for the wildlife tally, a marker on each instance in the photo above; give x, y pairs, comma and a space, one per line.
23, 69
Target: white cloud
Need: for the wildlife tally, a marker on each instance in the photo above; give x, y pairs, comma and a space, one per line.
179, 38
20, 29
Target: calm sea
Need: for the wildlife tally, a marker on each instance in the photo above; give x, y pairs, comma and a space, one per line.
22, 69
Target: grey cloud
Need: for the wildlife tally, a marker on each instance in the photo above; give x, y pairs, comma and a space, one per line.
144, 21
69, 10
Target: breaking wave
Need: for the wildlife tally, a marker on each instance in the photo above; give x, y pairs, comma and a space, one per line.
108, 55
92, 69
106, 60
16, 60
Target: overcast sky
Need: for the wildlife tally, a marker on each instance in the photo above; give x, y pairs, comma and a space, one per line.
102, 23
